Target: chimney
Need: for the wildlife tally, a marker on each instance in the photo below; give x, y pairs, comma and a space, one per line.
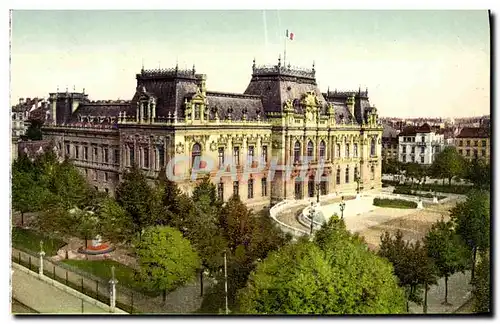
350, 104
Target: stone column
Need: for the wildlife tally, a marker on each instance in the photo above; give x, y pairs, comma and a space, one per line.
41, 254
112, 294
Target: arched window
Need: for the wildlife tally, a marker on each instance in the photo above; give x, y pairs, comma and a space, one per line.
338, 150
323, 184
322, 149
347, 150
338, 176
195, 155
296, 152
372, 147
347, 174
310, 150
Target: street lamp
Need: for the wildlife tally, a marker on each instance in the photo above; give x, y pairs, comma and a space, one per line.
342, 207
311, 217
358, 180
317, 192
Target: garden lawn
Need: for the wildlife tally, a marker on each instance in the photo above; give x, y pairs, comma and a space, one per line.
29, 240
394, 203
102, 269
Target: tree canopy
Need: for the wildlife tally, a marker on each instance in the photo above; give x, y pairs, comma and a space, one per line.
448, 164
447, 250
166, 259
343, 277
471, 220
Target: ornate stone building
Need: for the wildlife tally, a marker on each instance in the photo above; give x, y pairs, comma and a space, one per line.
281, 139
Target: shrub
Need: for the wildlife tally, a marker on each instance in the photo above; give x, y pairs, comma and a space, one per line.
394, 203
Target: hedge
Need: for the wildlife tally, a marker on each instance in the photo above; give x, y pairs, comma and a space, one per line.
394, 203
406, 191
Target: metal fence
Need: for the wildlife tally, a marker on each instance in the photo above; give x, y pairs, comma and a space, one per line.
97, 289
186, 299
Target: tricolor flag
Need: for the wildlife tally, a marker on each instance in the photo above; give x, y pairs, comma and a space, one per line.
289, 35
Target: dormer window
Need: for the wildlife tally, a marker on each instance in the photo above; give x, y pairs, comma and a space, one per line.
197, 111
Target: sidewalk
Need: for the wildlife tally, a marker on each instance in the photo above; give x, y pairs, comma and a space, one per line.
459, 292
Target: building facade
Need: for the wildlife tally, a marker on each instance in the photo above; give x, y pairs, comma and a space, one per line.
280, 139
390, 143
473, 142
419, 144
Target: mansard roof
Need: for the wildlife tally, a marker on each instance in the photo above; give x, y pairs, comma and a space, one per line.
236, 105
278, 83
103, 108
413, 130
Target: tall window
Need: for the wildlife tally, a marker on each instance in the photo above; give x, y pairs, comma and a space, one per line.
323, 184
468, 142
322, 149
220, 191
264, 187
117, 156
94, 149
250, 188
221, 157
347, 150
372, 147
236, 155
67, 149
483, 143
310, 150
145, 110
413, 149
356, 173
461, 143
85, 153
355, 150
264, 153
422, 159
404, 158
404, 149
423, 139
236, 188
296, 152
195, 155
77, 152
347, 174
372, 172
338, 150
476, 143
422, 150
145, 158
337, 180
105, 153
197, 111
105, 177
161, 155
250, 154
131, 155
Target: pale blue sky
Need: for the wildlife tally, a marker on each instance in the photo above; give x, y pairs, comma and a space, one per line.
414, 63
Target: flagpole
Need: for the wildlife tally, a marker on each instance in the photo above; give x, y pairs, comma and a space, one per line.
284, 53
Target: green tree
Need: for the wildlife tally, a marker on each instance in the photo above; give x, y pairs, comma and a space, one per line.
341, 278
481, 286
412, 266
447, 250
34, 131
116, 224
166, 259
448, 164
479, 173
201, 225
134, 195
235, 222
26, 194
471, 221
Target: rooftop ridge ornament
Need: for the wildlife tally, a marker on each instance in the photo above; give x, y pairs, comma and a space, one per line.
165, 72
284, 70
